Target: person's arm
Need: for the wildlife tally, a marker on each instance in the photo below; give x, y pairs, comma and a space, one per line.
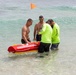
43, 29
24, 35
35, 28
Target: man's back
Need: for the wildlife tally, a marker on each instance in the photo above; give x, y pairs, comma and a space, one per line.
56, 34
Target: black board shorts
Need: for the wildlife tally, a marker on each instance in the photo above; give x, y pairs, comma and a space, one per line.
24, 42
54, 46
38, 37
44, 47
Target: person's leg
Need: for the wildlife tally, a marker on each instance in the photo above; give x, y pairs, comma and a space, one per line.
47, 46
40, 50
54, 46
57, 45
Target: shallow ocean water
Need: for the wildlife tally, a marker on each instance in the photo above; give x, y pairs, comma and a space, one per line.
13, 15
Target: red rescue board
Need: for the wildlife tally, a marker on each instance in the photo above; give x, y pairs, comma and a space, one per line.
32, 46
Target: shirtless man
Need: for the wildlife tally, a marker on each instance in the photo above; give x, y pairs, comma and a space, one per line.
25, 32
37, 29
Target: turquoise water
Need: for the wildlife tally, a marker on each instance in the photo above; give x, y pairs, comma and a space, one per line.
13, 15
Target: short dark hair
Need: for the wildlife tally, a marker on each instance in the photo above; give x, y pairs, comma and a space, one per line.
29, 19
46, 21
50, 20
41, 16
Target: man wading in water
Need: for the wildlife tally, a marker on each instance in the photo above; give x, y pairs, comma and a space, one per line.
37, 28
55, 34
25, 32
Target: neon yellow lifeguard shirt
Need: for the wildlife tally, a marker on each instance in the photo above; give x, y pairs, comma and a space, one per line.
46, 33
56, 34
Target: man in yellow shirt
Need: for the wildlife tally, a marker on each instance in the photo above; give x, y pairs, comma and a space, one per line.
55, 34
46, 39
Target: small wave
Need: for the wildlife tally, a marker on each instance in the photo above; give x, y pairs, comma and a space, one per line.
65, 7
13, 22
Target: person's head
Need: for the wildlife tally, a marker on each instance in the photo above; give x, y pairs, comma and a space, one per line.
51, 22
46, 21
41, 18
29, 22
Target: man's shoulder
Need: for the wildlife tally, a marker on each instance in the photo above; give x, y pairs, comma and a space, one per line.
56, 24
37, 24
47, 24
24, 27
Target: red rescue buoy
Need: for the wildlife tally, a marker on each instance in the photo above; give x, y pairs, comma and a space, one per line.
24, 47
